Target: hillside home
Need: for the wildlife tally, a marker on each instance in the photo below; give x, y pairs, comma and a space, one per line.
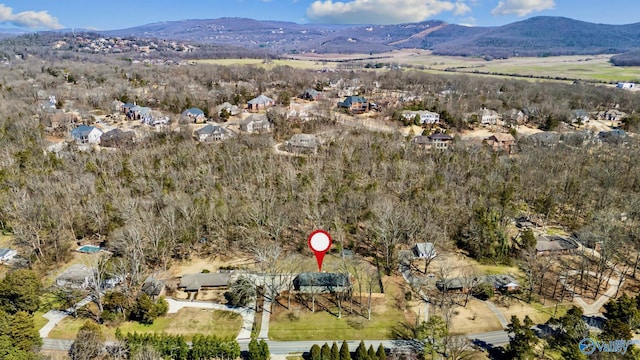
554, 244
314, 283
261, 102
7, 254
424, 250
139, 112
303, 143
426, 117
615, 136
515, 116
117, 138
488, 117
125, 107
626, 85
194, 115
310, 94
354, 104
611, 115
255, 123
204, 281
501, 142
231, 109
210, 133
580, 116
440, 141
86, 134
502, 283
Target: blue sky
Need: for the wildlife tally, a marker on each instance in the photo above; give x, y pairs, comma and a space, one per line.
117, 14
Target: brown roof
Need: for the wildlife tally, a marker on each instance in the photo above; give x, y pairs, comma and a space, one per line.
193, 282
501, 137
554, 243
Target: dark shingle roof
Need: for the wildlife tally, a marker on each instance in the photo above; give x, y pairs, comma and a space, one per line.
321, 280
193, 282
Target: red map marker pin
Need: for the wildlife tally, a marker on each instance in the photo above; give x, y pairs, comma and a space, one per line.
319, 242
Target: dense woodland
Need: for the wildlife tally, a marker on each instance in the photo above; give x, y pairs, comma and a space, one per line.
168, 198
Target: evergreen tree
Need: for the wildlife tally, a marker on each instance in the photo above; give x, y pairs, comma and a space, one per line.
381, 353
335, 352
344, 351
20, 291
315, 352
371, 353
23, 332
523, 340
254, 350
325, 352
361, 352
264, 350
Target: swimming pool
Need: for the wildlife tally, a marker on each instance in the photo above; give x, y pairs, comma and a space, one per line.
89, 249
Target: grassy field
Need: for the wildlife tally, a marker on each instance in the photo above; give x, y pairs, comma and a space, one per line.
187, 322
582, 67
301, 324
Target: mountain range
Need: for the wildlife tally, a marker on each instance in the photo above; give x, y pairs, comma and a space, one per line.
536, 36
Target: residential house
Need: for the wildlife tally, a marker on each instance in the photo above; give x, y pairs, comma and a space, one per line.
310, 94
554, 244
76, 276
421, 142
354, 104
7, 254
611, 115
303, 143
194, 115
501, 142
231, 109
211, 133
117, 138
488, 117
314, 283
116, 105
579, 116
426, 117
204, 281
502, 283
515, 116
139, 112
125, 107
626, 85
440, 141
544, 138
261, 102
153, 287
86, 134
424, 250
255, 123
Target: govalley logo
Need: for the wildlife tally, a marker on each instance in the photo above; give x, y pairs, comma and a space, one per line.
588, 346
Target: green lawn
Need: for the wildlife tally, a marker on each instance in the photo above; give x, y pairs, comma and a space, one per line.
187, 322
38, 320
301, 324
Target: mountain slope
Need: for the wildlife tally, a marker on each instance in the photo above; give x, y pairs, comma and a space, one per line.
537, 36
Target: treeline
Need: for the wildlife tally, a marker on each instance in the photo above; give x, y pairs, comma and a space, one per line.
326, 352
631, 58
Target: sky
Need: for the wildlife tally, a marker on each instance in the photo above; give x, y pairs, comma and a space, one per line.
119, 14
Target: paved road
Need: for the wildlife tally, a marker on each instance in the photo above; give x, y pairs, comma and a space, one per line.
497, 313
55, 316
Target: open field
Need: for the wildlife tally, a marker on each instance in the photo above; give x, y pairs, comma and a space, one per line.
476, 317
537, 312
300, 323
187, 322
300, 64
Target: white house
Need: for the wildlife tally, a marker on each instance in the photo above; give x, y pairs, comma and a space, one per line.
424, 250
488, 117
7, 254
86, 134
626, 85
426, 117
211, 133
255, 123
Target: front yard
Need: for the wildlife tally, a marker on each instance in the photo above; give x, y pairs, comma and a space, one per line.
187, 322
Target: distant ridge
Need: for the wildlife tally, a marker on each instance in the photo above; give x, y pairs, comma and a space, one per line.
536, 36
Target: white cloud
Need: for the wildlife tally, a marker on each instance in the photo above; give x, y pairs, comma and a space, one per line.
381, 11
29, 19
522, 7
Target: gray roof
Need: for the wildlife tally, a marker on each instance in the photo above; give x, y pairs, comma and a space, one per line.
152, 286
321, 280
305, 140
425, 248
254, 118
311, 92
554, 243
210, 129
440, 137
77, 272
4, 252
497, 281
260, 100
83, 130
193, 112
350, 100
193, 282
